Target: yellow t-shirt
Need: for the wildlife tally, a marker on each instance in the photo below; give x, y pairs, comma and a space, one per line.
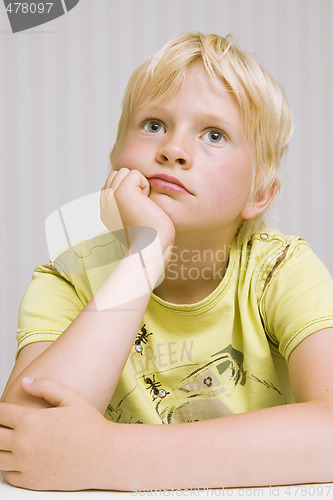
223, 355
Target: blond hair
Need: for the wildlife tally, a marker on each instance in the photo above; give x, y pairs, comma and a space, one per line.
263, 104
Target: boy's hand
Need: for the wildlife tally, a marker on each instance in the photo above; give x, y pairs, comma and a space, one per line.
131, 191
54, 448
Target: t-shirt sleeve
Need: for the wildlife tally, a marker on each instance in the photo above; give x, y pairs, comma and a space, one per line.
297, 298
49, 304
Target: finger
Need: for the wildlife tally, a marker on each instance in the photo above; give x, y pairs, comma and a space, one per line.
13, 477
108, 181
139, 180
56, 393
7, 461
113, 182
109, 212
10, 414
118, 179
6, 439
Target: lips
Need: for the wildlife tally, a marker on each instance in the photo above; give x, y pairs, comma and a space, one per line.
168, 183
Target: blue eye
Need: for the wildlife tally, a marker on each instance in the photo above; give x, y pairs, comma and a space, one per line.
214, 137
154, 127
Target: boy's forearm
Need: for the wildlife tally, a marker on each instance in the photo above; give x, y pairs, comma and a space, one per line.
90, 355
290, 444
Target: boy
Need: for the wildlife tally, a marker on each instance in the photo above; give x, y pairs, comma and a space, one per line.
240, 325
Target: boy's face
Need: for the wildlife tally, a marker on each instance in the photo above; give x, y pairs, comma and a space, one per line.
196, 139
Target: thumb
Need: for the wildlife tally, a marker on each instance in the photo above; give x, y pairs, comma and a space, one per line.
144, 185
54, 392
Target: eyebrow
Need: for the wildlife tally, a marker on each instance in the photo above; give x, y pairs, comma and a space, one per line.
209, 117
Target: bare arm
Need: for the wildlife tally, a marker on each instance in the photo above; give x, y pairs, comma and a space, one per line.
90, 355
26, 356
289, 444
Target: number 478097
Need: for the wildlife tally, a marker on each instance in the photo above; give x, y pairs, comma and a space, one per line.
29, 8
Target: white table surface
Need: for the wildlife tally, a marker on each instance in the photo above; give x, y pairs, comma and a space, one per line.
312, 491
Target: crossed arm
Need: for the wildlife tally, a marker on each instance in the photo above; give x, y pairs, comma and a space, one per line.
70, 446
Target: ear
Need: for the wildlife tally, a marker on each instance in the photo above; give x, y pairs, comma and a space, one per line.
256, 207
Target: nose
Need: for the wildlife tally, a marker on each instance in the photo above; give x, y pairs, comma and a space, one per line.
174, 150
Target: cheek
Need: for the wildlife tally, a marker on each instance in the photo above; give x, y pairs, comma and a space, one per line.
227, 187
234, 176
131, 155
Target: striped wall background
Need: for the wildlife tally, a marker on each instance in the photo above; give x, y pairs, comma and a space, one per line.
61, 85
